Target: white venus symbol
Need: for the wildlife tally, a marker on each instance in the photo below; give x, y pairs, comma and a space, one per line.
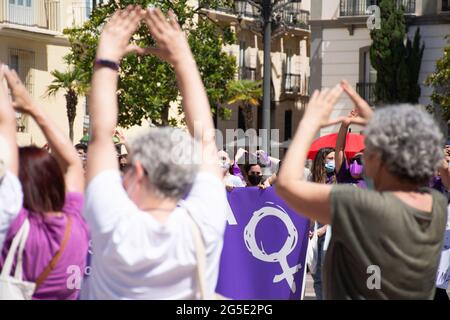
285, 251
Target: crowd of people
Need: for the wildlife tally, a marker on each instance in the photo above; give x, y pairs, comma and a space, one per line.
139, 219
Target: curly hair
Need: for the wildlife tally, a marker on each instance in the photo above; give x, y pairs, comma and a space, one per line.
170, 159
408, 140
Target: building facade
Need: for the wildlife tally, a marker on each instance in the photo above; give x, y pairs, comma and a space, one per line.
289, 65
341, 41
32, 43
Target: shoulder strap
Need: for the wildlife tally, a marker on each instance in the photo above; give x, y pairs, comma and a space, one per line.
200, 254
52, 264
18, 242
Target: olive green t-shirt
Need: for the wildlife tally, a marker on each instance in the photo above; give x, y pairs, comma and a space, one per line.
375, 231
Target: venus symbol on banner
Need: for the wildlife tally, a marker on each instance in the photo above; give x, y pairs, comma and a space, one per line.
285, 251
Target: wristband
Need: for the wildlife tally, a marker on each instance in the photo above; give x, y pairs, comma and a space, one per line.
107, 63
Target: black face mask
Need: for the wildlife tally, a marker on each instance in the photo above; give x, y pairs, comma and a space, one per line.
254, 179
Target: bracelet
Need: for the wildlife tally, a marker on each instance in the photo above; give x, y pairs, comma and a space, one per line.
107, 63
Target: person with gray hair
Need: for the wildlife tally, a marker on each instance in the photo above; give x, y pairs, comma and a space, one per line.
157, 233
387, 239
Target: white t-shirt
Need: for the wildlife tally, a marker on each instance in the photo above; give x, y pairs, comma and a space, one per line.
11, 199
136, 257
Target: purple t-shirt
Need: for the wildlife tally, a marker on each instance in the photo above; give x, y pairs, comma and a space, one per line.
44, 240
344, 176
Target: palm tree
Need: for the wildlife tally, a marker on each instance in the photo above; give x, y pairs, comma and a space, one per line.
248, 93
72, 83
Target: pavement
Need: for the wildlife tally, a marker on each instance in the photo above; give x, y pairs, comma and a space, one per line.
309, 288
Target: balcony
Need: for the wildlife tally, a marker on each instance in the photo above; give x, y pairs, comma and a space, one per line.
38, 14
246, 73
352, 8
292, 83
296, 19
292, 16
367, 91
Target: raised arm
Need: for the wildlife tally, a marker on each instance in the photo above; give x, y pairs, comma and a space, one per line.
103, 106
361, 114
9, 153
172, 46
339, 157
307, 198
60, 144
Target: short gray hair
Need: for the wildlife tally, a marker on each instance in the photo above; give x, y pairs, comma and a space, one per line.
168, 156
408, 140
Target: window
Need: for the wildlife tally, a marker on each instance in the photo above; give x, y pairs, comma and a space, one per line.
445, 5
370, 74
367, 76
241, 119
22, 62
287, 125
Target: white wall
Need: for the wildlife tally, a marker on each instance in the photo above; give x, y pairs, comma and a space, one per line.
340, 60
330, 9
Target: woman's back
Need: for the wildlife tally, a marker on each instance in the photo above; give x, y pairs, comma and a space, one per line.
44, 240
382, 247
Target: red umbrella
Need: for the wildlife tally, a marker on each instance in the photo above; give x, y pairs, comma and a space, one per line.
353, 145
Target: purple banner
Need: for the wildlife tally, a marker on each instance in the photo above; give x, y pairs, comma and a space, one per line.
264, 252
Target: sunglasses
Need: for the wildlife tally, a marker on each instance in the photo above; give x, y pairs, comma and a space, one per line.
357, 159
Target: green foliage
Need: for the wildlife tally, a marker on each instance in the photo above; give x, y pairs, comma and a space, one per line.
71, 80
72, 83
396, 59
248, 93
147, 85
440, 80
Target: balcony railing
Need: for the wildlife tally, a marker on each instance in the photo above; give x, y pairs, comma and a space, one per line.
292, 83
367, 91
349, 8
246, 73
296, 19
40, 14
445, 5
291, 15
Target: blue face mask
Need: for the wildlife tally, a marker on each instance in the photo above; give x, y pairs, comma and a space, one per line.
330, 166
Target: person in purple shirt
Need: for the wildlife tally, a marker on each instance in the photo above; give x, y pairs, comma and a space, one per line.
351, 171
52, 202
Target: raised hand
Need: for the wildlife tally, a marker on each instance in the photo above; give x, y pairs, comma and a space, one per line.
362, 108
172, 45
321, 105
114, 41
22, 100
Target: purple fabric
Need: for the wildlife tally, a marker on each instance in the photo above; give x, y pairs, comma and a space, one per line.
44, 240
244, 276
344, 176
237, 172
436, 183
